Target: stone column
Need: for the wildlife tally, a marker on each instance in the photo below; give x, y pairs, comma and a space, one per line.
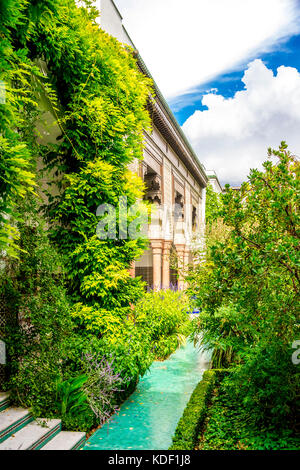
166, 265
180, 253
156, 246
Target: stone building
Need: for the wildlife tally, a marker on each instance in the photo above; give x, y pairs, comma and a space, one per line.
175, 181
214, 181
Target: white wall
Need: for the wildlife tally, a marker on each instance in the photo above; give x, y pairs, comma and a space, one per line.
213, 180
111, 20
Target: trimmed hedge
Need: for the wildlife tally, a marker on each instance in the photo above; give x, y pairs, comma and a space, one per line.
187, 431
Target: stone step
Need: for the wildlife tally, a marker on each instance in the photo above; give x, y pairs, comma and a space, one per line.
33, 436
12, 420
66, 440
4, 400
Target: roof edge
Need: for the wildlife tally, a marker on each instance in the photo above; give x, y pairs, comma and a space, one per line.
116, 8
171, 116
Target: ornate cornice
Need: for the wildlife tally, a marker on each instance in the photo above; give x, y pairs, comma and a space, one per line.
170, 133
166, 123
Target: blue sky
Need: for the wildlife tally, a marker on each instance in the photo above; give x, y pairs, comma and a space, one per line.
285, 53
229, 70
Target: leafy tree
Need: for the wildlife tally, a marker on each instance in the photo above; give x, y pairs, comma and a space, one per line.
215, 228
16, 175
213, 205
256, 272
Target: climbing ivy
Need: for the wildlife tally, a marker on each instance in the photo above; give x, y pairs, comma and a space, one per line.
16, 176
54, 51
102, 99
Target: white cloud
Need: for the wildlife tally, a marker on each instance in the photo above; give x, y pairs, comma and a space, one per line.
188, 43
233, 135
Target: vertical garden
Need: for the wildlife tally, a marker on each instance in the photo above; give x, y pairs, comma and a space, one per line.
78, 335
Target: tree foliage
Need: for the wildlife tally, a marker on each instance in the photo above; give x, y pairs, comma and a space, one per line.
103, 96
16, 175
40, 326
254, 277
98, 96
213, 205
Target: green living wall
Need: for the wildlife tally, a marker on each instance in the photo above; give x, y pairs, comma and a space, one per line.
53, 265
102, 113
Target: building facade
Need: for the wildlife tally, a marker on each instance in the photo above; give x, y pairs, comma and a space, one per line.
175, 182
214, 181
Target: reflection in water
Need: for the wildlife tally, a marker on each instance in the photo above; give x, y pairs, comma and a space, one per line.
148, 419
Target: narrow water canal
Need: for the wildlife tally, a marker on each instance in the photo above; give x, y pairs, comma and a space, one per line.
148, 419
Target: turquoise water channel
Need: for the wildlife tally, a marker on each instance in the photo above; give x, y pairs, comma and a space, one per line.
148, 419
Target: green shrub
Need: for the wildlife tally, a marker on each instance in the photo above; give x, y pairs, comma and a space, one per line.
163, 315
222, 333
158, 324
70, 398
165, 346
72, 404
229, 426
187, 431
110, 336
82, 422
32, 380
37, 338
